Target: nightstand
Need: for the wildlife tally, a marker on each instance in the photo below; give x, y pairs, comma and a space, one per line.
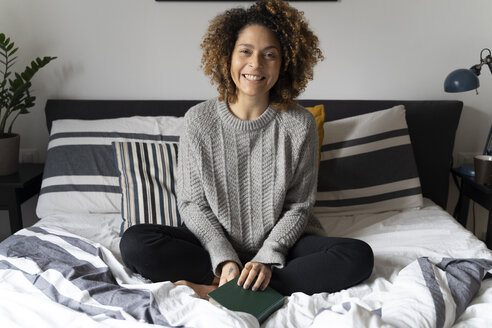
479, 193
17, 188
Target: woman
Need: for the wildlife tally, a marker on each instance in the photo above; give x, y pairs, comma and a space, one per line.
248, 164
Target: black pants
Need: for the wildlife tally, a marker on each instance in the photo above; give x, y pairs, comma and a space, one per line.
314, 264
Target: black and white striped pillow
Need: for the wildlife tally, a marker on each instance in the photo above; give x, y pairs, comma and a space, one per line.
147, 175
80, 174
367, 165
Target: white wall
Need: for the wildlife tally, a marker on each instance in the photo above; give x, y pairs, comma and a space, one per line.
143, 49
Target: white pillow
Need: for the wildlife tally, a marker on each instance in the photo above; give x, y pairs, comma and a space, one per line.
80, 174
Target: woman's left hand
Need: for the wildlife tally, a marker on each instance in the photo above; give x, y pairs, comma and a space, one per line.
252, 270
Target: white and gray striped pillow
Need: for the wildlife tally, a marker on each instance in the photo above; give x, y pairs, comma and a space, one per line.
367, 165
80, 174
147, 175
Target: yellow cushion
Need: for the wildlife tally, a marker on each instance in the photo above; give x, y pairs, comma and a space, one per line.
319, 113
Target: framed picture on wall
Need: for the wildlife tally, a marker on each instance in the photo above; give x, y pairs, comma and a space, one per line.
248, 0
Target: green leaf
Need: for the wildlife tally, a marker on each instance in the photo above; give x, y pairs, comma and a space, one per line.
25, 76
47, 59
17, 82
13, 51
2, 37
10, 46
12, 61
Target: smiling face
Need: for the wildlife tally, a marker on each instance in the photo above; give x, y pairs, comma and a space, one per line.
255, 62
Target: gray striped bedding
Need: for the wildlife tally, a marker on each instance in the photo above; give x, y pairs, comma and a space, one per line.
429, 292
62, 267
80, 173
50, 265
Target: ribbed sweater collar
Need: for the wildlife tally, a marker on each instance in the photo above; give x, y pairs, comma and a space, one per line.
231, 120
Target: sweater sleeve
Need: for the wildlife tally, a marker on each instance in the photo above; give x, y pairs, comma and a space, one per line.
193, 205
299, 200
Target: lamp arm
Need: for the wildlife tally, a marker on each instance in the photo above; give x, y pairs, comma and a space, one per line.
485, 60
481, 54
476, 68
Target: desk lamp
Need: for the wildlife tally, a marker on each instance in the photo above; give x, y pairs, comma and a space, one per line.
461, 80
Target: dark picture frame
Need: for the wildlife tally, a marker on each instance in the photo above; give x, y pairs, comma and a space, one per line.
244, 0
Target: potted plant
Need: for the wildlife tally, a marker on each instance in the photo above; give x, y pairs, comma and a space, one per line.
15, 99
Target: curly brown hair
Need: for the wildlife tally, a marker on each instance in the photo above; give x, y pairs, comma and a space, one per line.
299, 47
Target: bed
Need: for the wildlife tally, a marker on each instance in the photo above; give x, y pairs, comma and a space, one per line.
66, 270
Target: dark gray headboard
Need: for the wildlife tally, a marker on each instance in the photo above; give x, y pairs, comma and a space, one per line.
432, 126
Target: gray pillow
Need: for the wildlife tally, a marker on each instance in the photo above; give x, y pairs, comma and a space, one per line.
367, 165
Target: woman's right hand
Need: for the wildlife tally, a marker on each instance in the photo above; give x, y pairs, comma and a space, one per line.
230, 270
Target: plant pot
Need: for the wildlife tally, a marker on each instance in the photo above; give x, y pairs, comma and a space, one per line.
9, 153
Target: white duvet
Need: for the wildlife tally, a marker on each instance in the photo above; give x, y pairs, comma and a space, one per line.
427, 272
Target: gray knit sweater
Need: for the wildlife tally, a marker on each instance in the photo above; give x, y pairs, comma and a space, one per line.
246, 188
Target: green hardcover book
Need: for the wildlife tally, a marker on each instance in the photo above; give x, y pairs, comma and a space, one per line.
259, 303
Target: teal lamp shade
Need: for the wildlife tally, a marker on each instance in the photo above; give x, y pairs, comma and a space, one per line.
461, 80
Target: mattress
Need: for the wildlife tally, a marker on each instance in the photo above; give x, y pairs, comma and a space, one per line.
66, 271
